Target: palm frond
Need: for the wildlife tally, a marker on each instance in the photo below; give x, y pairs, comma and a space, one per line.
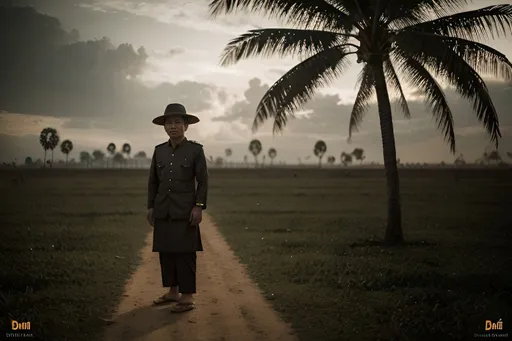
394, 83
484, 59
366, 91
305, 13
420, 78
446, 63
280, 41
405, 13
473, 25
299, 84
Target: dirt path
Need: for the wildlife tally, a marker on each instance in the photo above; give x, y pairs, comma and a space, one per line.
229, 306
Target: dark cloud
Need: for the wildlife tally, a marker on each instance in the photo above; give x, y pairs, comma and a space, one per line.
244, 110
51, 73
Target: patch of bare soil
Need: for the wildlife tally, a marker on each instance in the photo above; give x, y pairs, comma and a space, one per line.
229, 306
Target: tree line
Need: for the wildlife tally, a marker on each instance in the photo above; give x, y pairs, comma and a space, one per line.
49, 139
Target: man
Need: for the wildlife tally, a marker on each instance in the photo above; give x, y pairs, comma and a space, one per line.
175, 206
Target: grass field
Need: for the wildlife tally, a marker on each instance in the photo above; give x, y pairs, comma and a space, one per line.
69, 240
309, 238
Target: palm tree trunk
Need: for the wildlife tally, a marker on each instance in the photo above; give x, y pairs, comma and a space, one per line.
394, 233
51, 165
67, 156
44, 162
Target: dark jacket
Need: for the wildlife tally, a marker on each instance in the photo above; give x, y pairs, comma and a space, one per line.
172, 193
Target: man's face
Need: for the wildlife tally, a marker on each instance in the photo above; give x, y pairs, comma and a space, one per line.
175, 127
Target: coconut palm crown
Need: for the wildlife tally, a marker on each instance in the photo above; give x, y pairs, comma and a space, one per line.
417, 41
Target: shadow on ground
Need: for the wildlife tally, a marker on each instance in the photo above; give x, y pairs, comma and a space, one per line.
140, 322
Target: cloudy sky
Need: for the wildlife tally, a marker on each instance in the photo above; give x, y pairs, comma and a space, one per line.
102, 87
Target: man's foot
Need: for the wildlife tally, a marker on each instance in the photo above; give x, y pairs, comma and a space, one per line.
182, 307
167, 298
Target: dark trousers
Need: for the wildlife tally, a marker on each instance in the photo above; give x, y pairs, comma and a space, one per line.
179, 269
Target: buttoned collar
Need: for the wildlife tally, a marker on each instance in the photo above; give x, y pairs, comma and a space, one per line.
179, 144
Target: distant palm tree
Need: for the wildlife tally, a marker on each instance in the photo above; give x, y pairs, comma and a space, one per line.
85, 158
140, 158
319, 151
98, 156
494, 156
228, 152
111, 149
219, 161
331, 160
127, 150
49, 139
66, 147
415, 37
346, 159
118, 159
358, 153
272, 153
459, 161
28, 161
255, 148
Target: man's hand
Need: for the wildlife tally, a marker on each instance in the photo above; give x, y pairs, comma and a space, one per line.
150, 219
196, 216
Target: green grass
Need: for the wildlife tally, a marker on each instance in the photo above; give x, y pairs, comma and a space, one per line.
311, 242
69, 241
71, 238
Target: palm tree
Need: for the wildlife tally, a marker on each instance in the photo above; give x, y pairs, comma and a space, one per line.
140, 158
49, 139
255, 148
459, 161
272, 153
319, 151
358, 153
28, 161
494, 156
85, 158
228, 152
419, 38
331, 160
111, 149
66, 147
346, 159
119, 159
98, 156
127, 150
219, 161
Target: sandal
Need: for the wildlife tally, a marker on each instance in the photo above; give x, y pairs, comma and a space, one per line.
164, 299
182, 307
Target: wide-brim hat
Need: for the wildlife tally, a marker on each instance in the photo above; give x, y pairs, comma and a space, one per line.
175, 109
